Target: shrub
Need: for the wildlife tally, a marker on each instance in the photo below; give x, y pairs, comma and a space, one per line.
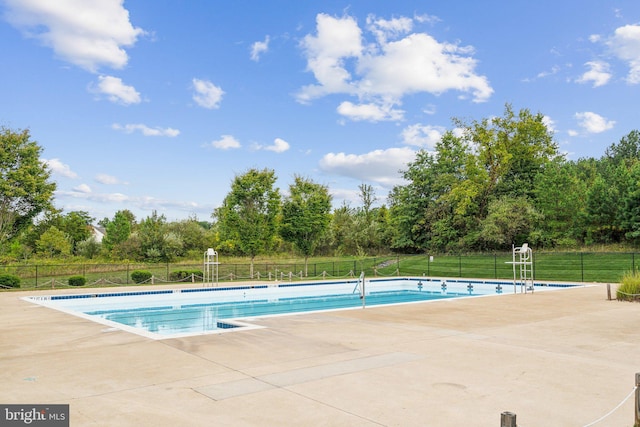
629, 289
141, 276
181, 275
8, 281
77, 281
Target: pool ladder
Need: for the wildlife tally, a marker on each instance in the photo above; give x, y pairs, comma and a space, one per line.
360, 286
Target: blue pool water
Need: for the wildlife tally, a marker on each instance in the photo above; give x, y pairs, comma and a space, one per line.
180, 312
207, 315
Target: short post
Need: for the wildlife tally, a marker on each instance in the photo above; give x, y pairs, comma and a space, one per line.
637, 404
508, 419
608, 291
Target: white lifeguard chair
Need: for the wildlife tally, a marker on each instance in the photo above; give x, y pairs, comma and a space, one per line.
523, 275
210, 272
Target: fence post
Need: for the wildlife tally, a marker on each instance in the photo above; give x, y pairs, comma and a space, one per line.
581, 267
508, 419
637, 405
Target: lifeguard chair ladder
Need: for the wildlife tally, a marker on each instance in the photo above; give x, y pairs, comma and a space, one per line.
210, 271
523, 259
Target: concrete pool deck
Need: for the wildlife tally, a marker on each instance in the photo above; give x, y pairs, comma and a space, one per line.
559, 358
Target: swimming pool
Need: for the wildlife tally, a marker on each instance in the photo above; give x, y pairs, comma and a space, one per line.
171, 313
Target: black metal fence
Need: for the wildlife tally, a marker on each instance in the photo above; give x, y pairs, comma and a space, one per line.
547, 266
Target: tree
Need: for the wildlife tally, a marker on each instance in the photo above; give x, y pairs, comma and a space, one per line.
409, 203
77, 225
560, 197
367, 225
88, 248
306, 214
512, 150
119, 229
508, 223
25, 190
192, 234
627, 150
449, 191
156, 242
54, 242
368, 198
631, 199
248, 216
342, 219
429, 212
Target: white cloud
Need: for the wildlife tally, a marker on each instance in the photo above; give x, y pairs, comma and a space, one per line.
385, 29
142, 202
146, 130
381, 166
598, 73
116, 91
625, 44
279, 146
82, 188
381, 73
86, 34
429, 109
369, 112
105, 179
258, 48
207, 95
340, 195
594, 38
593, 123
429, 19
226, 142
426, 66
336, 41
425, 136
59, 168
553, 71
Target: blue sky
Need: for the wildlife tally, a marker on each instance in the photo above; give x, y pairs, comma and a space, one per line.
158, 105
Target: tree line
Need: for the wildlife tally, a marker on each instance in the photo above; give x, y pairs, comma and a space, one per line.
486, 185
